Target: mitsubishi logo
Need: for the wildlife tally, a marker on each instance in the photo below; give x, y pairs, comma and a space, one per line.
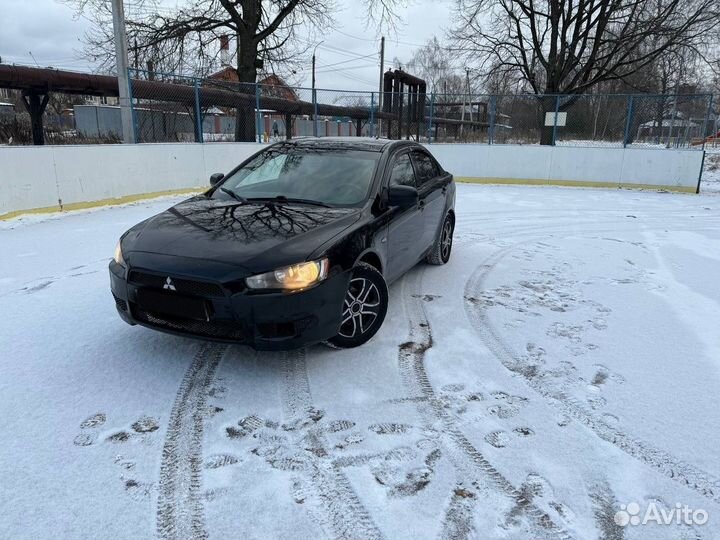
169, 285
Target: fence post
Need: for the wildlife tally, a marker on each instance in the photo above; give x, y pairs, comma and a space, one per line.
430, 121
258, 114
555, 121
198, 114
705, 122
132, 107
315, 113
491, 128
372, 114
628, 122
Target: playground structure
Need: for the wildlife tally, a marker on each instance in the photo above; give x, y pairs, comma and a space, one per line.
710, 140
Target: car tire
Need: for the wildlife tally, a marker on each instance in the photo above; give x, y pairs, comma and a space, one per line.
440, 253
364, 307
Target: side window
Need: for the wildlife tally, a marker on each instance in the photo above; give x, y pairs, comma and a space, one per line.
427, 170
402, 173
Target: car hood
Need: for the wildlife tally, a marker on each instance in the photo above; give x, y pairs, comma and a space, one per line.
255, 236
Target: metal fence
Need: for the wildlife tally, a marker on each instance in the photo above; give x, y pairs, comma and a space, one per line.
60, 119
265, 112
658, 121
175, 108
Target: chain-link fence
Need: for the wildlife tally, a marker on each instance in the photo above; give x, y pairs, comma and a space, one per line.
660, 121
60, 115
173, 108
269, 112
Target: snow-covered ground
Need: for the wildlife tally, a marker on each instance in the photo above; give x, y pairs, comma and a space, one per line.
711, 170
564, 363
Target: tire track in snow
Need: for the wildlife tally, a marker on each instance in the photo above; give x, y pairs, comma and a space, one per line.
696, 479
411, 358
180, 510
340, 510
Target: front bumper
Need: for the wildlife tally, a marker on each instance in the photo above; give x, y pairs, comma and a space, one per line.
264, 321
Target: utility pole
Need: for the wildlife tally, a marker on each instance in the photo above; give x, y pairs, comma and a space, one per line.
121, 54
313, 73
314, 96
382, 75
467, 90
467, 86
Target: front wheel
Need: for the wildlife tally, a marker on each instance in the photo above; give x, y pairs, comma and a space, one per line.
440, 253
364, 307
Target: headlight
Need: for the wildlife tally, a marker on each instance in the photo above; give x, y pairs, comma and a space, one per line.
297, 276
118, 257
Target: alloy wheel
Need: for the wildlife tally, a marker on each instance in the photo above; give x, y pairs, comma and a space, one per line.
446, 240
360, 309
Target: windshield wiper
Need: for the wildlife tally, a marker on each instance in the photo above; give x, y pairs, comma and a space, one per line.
234, 195
284, 199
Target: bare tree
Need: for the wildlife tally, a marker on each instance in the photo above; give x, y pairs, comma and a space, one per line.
265, 34
571, 46
438, 67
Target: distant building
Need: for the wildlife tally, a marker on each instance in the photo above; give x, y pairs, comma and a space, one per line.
270, 86
101, 100
678, 128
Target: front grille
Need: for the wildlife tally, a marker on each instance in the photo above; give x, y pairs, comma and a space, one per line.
184, 286
212, 329
120, 303
285, 329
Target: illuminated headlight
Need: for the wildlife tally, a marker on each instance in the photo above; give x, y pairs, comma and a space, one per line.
297, 276
118, 257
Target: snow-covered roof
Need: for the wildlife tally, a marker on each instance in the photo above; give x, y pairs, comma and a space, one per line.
667, 122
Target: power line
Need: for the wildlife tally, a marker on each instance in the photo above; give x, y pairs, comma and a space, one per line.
357, 79
355, 37
345, 61
330, 48
393, 40
350, 69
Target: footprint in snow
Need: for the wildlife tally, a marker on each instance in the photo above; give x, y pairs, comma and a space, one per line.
498, 439
596, 402
85, 439
220, 460
145, 424
119, 437
426, 297
523, 432
607, 373
38, 287
453, 388
339, 425
503, 411
610, 418
389, 428
97, 419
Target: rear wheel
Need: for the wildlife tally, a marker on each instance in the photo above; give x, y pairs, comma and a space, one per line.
442, 248
364, 307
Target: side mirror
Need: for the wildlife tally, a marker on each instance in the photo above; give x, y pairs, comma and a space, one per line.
215, 178
402, 196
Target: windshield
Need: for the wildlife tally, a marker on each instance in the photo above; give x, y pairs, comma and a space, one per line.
327, 176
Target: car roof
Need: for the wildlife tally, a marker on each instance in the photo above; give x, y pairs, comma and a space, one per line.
346, 143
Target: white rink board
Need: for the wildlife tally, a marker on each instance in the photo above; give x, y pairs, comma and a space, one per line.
49, 176
592, 166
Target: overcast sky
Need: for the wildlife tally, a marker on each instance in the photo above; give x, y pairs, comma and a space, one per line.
47, 32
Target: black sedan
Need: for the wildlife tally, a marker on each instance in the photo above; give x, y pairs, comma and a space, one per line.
297, 245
